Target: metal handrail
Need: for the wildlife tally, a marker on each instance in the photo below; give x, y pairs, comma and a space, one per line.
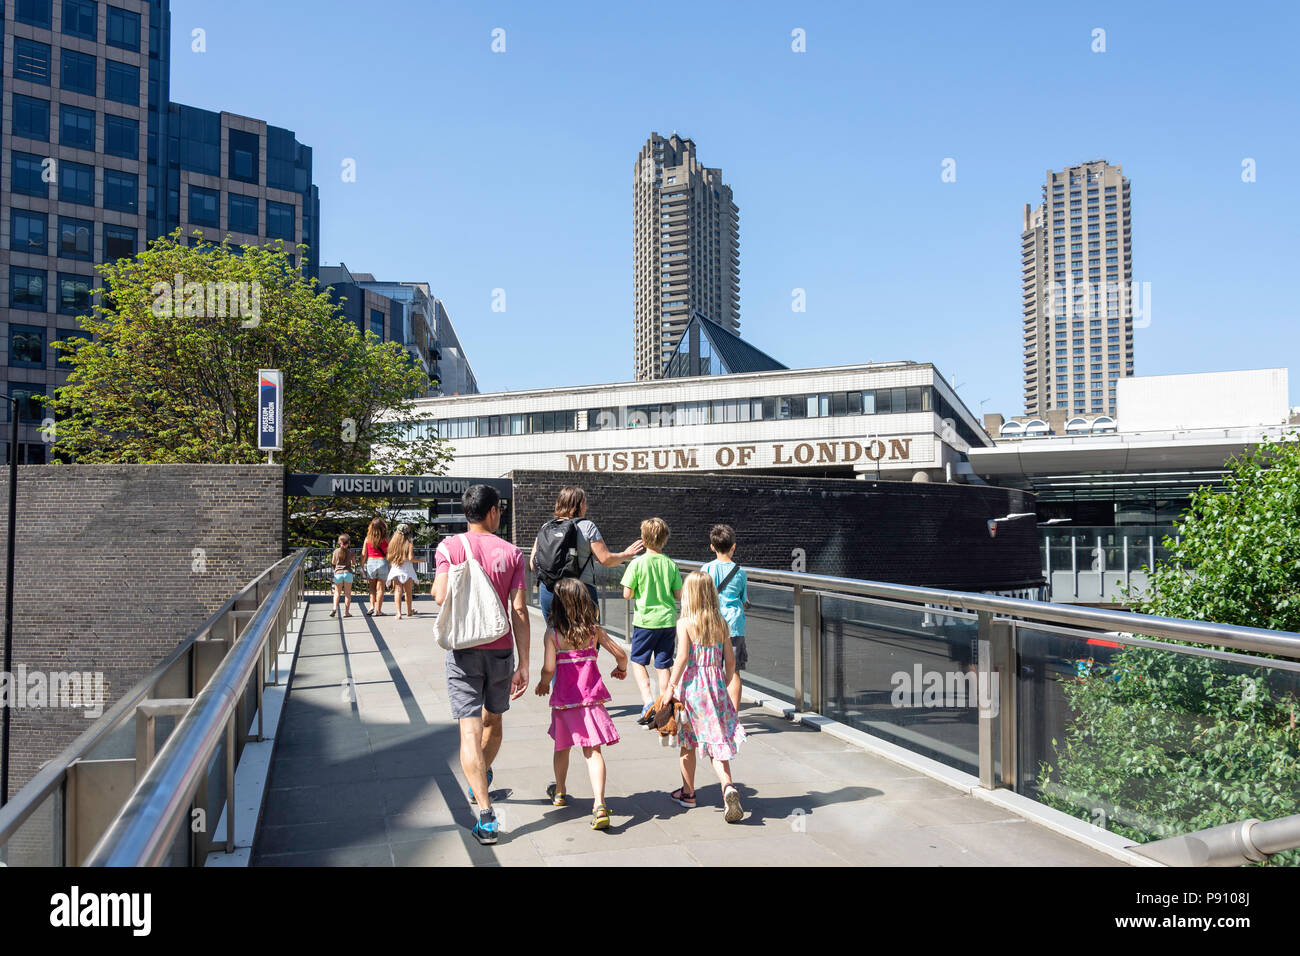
51, 776
1257, 639
142, 832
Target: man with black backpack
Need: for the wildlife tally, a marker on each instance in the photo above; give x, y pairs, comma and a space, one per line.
570, 546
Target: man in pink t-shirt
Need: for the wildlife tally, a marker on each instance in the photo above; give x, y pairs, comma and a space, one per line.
481, 681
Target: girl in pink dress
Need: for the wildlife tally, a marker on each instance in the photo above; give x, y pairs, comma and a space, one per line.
703, 668
578, 715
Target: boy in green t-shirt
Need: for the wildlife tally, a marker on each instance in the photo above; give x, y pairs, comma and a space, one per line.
653, 581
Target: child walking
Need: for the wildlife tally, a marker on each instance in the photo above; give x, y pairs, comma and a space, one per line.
733, 594
655, 583
401, 562
375, 549
703, 667
343, 576
578, 715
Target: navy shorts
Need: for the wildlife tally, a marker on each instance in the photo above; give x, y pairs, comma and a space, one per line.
657, 642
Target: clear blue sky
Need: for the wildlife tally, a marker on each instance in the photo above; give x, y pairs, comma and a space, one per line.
478, 170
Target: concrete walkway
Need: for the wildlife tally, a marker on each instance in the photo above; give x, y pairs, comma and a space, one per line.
367, 773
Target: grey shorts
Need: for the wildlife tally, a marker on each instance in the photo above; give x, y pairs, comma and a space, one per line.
741, 651
479, 680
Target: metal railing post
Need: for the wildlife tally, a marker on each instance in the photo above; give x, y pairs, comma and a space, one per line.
815, 649
985, 680
230, 785
798, 647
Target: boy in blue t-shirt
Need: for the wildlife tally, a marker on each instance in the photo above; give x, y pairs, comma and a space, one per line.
733, 594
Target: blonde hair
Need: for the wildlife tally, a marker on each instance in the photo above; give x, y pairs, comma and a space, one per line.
400, 549
700, 610
654, 532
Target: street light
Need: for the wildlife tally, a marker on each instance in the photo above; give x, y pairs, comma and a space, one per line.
5, 705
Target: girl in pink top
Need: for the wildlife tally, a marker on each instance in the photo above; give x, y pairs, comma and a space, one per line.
578, 715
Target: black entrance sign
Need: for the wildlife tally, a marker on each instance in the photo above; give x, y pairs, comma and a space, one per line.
391, 486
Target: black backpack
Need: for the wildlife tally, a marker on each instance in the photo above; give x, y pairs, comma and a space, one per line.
556, 556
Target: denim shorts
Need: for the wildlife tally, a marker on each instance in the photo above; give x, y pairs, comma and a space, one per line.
657, 642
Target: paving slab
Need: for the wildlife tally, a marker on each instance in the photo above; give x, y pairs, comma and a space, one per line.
367, 773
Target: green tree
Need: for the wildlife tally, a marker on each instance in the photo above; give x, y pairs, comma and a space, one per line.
168, 373
1161, 743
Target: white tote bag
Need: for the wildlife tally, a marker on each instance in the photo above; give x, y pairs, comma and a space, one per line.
471, 614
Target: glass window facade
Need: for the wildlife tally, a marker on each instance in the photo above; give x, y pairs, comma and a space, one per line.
81, 19
881, 401
27, 231
27, 175
242, 157
242, 214
377, 322
76, 238
121, 191
121, 136
205, 206
119, 242
31, 118
26, 346
74, 294
280, 221
36, 13
198, 146
122, 83
31, 61
77, 127
26, 289
77, 72
76, 183
123, 29
30, 406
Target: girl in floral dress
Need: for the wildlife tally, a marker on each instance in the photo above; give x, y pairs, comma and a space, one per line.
578, 715
703, 667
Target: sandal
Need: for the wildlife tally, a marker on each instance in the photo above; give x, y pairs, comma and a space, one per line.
682, 799
600, 818
558, 797
731, 797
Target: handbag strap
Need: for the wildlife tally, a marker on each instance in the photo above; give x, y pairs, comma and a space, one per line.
727, 580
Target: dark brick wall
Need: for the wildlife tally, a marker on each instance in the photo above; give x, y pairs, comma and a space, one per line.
927, 534
107, 580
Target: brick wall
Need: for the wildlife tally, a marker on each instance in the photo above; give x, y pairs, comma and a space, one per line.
107, 580
932, 535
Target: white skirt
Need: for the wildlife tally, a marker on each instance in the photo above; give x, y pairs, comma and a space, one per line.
401, 573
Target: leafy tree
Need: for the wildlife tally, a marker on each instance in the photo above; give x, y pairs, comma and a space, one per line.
169, 372
1161, 743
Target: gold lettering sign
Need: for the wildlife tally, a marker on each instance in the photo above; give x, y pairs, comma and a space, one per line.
838, 452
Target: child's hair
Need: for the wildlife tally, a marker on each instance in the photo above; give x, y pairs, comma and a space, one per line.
398, 546
722, 538
378, 531
345, 540
700, 609
573, 613
654, 532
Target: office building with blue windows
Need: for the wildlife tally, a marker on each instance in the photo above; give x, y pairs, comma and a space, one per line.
95, 161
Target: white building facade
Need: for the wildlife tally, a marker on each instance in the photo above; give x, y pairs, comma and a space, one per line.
885, 421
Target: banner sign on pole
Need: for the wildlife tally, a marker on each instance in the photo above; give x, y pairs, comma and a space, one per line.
270, 410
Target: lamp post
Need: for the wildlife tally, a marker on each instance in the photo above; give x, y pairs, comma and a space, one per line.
9, 600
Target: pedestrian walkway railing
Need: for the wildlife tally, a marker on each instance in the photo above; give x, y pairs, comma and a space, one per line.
147, 782
1147, 726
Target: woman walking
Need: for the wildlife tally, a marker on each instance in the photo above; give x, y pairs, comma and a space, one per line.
342, 562
376, 555
570, 546
401, 575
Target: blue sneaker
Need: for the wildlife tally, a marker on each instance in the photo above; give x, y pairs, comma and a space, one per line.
470, 790
487, 829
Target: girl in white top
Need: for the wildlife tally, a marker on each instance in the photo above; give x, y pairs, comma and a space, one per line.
401, 555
